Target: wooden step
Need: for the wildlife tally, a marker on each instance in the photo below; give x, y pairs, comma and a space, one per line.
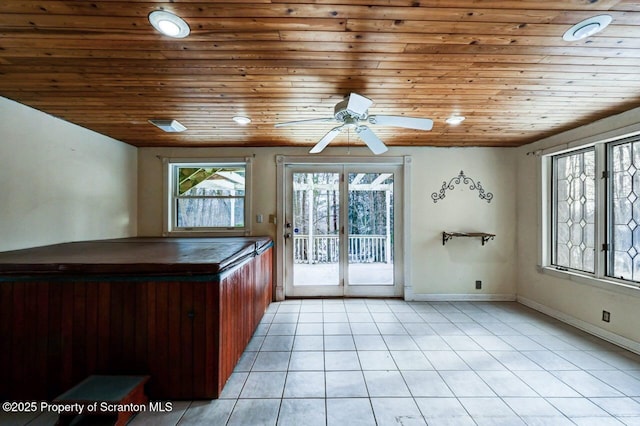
119, 397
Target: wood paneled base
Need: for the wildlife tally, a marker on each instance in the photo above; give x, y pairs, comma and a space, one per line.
186, 332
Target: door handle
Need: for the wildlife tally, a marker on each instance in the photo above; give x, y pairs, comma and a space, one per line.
287, 235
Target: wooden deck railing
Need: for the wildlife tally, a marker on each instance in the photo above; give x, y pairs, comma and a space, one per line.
325, 249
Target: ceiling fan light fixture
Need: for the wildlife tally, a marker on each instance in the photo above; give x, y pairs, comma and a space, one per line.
353, 110
169, 126
242, 120
587, 28
454, 120
169, 24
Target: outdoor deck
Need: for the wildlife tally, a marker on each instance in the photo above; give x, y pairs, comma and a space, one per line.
327, 273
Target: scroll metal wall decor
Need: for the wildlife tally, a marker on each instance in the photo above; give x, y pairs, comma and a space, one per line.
461, 178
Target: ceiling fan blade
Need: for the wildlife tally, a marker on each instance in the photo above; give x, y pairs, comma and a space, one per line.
358, 104
373, 142
310, 121
402, 121
322, 143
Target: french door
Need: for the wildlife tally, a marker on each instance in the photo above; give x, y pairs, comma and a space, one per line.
342, 230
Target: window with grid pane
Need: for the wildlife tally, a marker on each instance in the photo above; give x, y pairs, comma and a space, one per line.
574, 210
208, 196
624, 222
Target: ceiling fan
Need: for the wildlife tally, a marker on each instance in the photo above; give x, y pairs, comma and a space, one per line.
350, 112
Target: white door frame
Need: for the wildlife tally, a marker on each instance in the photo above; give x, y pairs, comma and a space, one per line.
403, 250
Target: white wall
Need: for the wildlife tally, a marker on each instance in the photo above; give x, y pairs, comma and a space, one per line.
452, 269
575, 301
436, 270
61, 182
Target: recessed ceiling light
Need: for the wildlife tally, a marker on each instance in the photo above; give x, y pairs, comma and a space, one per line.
587, 28
169, 126
243, 121
169, 24
455, 120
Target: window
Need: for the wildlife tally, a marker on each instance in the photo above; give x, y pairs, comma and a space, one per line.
624, 229
595, 223
208, 197
573, 210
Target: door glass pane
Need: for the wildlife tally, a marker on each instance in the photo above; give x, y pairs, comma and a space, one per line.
316, 228
370, 229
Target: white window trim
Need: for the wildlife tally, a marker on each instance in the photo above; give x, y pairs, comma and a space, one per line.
608, 284
598, 278
168, 211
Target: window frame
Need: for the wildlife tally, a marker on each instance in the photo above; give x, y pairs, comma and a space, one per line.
170, 227
599, 277
553, 210
610, 225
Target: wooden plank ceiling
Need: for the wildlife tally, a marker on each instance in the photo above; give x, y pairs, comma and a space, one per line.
502, 64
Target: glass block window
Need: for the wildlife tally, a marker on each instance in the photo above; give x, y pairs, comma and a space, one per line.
574, 210
624, 205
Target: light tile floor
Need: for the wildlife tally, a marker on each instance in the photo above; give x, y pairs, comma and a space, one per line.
390, 362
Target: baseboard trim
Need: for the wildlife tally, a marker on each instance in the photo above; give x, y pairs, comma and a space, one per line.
614, 338
461, 297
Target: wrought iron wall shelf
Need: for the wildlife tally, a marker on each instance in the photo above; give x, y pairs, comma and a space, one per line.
484, 237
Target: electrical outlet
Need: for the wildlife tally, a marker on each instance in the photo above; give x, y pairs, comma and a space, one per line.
478, 284
606, 316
